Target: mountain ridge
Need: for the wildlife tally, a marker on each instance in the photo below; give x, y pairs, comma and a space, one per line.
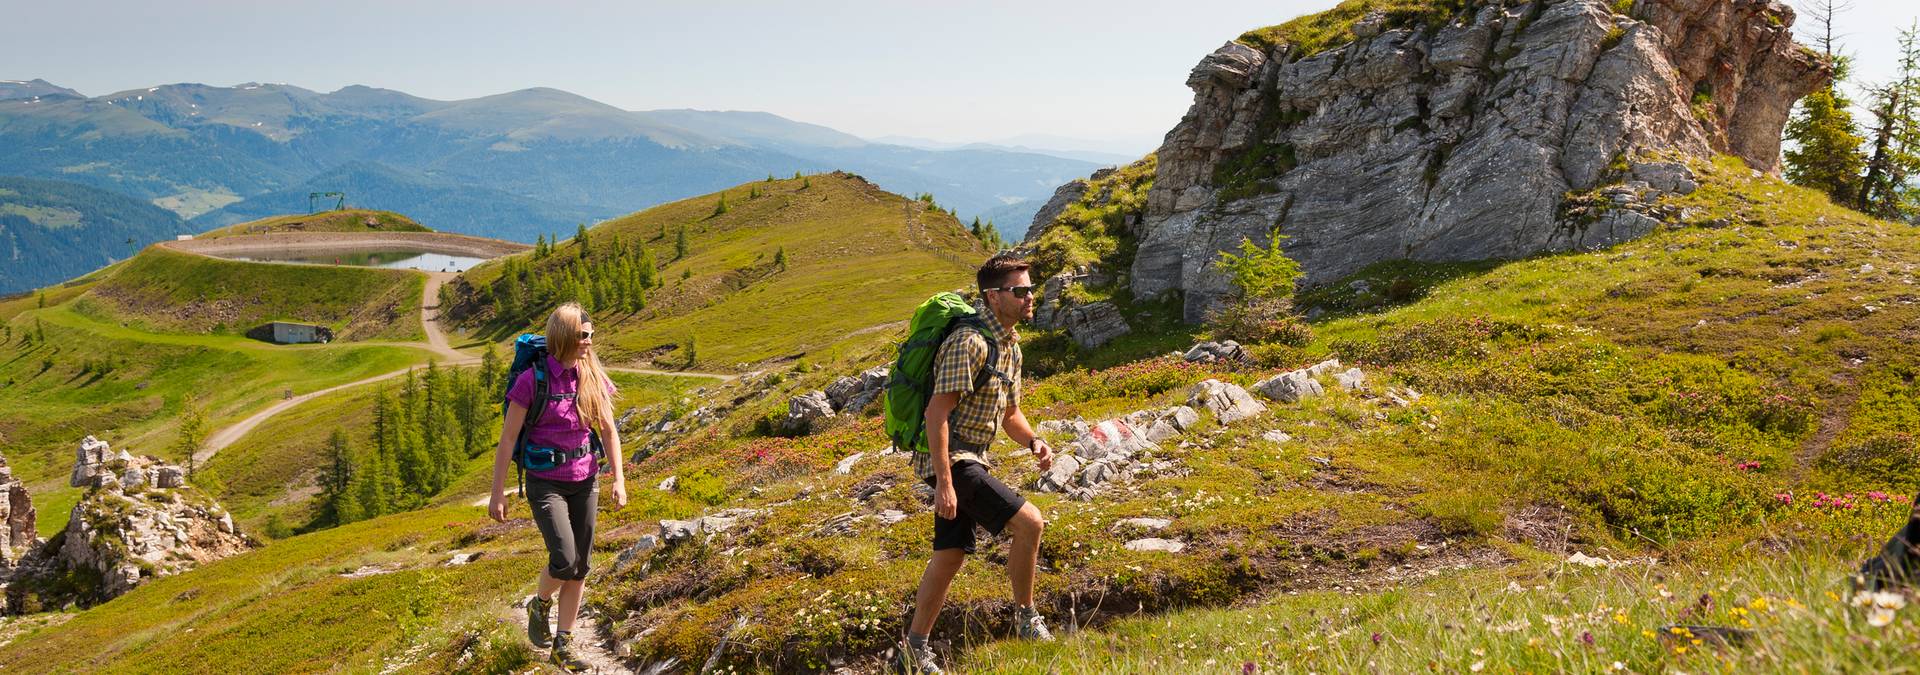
160, 143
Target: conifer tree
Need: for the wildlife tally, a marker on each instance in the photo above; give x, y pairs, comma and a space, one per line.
380, 490
192, 435
1885, 191
415, 465
680, 244
780, 258
580, 239
1824, 143
339, 502
720, 209
492, 371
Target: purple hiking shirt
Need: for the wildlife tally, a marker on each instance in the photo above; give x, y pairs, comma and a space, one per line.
559, 425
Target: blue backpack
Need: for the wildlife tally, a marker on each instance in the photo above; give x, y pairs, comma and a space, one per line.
530, 353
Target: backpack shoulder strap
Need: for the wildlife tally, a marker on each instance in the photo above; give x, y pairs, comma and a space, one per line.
990, 370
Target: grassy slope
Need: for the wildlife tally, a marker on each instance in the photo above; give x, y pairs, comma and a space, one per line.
1620, 398
287, 607
162, 290
858, 257
350, 220
1777, 339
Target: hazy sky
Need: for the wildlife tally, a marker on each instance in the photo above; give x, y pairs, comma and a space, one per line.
1111, 70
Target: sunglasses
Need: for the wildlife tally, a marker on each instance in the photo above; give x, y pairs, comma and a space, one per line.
1017, 291
586, 335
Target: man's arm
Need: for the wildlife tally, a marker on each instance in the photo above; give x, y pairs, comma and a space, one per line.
1015, 422
945, 504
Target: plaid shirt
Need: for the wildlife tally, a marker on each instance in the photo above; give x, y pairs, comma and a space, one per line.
978, 414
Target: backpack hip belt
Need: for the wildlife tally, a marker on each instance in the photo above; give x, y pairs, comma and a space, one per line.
564, 455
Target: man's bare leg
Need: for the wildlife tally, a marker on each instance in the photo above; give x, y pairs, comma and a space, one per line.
934, 583
1024, 556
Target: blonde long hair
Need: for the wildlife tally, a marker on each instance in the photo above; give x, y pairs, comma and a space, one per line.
563, 341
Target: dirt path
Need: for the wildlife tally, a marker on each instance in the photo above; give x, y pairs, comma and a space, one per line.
723, 377
430, 319
219, 440
592, 642
1833, 421
446, 243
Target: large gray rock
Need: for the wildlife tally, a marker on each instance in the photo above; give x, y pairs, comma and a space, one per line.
842, 389
1182, 417
1290, 387
1113, 439
1352, 379
1462, 142
1156, 544
89, 461
1095, 324
1228, 402
17, 533
1209, 352
1059, 477
806, 412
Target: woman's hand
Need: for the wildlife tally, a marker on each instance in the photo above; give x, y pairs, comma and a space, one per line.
497, 507
620, 494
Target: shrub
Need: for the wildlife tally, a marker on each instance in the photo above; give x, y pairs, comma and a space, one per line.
702, 486
1259, 321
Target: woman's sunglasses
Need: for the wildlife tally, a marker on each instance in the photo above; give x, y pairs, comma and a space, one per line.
1017, 291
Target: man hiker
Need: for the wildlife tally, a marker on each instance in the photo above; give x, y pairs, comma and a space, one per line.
961, 419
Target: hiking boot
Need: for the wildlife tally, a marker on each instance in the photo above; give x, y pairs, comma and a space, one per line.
563, 655
539, 621
920, 661
1029, 625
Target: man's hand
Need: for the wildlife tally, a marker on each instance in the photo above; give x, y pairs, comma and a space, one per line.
620, 495
497, 507
1043, 453
945, 504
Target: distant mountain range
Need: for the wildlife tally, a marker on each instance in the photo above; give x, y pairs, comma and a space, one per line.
512, 165
51, 231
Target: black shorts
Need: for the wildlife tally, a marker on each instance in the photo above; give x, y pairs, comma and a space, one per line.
983, 500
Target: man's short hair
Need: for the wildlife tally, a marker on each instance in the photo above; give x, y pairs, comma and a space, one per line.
998, 269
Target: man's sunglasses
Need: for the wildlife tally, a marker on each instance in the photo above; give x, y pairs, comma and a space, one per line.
1017, 291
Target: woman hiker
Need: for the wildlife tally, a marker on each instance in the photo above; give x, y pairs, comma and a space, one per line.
564, 498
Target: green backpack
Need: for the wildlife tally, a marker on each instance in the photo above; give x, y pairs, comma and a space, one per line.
910, 383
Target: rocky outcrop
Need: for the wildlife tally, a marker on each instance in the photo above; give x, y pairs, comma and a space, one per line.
1056, 299
809, 412
806, 413
1462, 140
138, 520
1063, 197
1095, 324
17, 534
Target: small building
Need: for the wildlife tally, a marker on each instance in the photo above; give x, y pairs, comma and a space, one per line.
288, 333
183, 237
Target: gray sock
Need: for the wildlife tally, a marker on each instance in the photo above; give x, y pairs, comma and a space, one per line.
917, 642
1026, 612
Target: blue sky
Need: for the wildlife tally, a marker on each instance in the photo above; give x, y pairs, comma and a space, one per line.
1112, 71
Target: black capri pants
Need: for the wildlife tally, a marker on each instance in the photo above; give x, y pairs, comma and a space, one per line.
565, 512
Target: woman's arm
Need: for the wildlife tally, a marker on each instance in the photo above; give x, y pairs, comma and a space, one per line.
503, 458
